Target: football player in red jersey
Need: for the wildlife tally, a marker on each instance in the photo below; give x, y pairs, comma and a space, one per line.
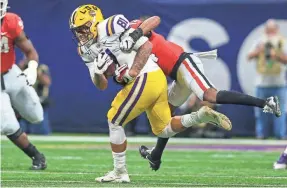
186, 69
16, 86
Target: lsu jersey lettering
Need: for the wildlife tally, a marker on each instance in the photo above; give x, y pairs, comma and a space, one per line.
167, 52
11, 28
110, 32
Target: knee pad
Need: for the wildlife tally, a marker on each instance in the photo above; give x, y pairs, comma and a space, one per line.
167, 132
117, 134
15, 135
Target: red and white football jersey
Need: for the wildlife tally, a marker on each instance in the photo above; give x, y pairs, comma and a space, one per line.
167, 52
11, 27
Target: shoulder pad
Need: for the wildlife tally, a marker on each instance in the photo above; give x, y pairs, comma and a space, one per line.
10, 15
14, 21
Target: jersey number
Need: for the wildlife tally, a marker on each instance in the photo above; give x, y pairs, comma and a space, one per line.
4, 44
123, 23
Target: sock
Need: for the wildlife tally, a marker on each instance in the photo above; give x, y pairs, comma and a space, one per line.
31, 151
119, 161
285, 151
158, 150
189, 120
233, 97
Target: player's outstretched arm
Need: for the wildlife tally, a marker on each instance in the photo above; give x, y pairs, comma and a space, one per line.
141, 58
150, 24
144, 29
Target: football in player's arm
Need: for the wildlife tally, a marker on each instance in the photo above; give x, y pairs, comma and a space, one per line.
103, 65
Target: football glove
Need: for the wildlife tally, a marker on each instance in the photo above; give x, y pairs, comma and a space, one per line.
122, 75
31, 72
102, 62
127, 44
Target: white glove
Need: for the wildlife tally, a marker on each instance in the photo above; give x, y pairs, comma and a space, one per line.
102, 62
127, 44
31, 72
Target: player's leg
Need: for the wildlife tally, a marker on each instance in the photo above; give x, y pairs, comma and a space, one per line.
27, 103
130, 102
164, 126
192, 69
10, 127
176, 96
282, 161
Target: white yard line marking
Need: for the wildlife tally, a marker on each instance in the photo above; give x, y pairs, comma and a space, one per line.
153, 175
66, 158
105, 139
156, 183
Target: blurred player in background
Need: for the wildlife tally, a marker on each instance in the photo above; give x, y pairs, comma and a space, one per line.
187, 72
16, 87
282, 161
270, 53
144, 83
42, 87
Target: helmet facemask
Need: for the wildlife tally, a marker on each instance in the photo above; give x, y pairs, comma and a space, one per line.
85, 34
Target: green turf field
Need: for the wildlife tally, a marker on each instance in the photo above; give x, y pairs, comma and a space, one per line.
76, 164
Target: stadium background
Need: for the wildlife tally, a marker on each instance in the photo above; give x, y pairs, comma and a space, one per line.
229, 26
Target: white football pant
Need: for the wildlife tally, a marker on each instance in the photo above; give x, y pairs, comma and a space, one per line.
22, 97
190, 78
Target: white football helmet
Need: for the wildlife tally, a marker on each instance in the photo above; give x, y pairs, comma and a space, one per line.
3, 8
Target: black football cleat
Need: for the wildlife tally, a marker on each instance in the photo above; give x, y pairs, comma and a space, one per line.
39, 163
146, 154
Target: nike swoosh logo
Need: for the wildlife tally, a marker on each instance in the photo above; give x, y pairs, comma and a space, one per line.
100, 67
4, 33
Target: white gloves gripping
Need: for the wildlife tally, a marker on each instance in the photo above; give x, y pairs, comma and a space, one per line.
127, 44
102, 62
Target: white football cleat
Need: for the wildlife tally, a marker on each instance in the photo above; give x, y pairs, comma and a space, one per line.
272, 106
279, 166
114, 176
207, 115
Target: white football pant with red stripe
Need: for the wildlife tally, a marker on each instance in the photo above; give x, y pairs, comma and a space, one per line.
190, 78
